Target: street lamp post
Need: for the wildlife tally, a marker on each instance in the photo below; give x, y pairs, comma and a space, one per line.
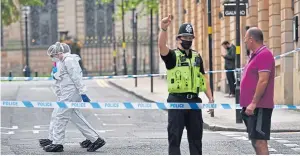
238, 62
1, 35
211, 79
27, 68
151, 48
134, 36
114, 40
124, 43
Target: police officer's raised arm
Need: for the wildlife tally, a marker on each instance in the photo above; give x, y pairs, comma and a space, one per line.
163, 35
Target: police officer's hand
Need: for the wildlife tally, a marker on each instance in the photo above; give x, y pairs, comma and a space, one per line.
165, 22
211, 110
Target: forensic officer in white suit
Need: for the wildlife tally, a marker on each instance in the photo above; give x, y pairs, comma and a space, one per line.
69, 87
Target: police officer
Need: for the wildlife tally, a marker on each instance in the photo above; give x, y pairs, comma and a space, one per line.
185, 76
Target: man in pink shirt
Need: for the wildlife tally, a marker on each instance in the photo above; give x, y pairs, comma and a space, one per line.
257, 91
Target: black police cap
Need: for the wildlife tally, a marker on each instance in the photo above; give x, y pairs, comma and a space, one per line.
186, 29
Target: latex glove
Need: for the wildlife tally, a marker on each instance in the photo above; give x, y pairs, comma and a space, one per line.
54, 70
85, 98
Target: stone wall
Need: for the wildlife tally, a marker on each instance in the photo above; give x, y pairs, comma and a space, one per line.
274, 17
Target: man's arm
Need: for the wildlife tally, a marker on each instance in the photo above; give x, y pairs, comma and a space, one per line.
208, 92
261, 86
162, 43
231, 54
74, 71
163, 36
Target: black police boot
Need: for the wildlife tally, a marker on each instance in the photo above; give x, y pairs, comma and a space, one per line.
45, 142
86, 143
54, 148
96, 145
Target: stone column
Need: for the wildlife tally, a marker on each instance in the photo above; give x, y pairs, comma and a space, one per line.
252, 14
243, 55
67, 16
205, 37
274, 27
61, 15
216, 42
286, 45
189, 10
170, 29
225, 36
200, 27
296, 71
175, 24
194, 22
251, 21
80, 19
184, 11
263, 18
163, 13
275, 41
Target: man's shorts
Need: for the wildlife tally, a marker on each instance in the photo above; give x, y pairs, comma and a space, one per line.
259, 124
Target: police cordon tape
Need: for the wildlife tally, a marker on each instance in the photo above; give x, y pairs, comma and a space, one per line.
128, 105
129, 76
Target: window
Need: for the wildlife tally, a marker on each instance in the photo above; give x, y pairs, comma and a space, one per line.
98, 20
43, 24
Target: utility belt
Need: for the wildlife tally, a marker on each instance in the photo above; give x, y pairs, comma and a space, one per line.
185, 95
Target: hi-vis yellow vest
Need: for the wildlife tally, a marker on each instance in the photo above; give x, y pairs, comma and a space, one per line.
186, 77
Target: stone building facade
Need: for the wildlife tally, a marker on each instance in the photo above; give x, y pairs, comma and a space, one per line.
274, 17
82, 19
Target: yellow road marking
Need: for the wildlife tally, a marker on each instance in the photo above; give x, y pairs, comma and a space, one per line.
102, 83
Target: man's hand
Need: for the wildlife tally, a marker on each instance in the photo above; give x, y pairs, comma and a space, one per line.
163, 35
210, 110
85, 98
54, 70
165, 22
250, 109
223, 53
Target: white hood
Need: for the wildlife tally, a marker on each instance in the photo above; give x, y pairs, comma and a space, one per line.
74, 56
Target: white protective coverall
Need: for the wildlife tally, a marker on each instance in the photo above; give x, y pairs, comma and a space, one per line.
69, 88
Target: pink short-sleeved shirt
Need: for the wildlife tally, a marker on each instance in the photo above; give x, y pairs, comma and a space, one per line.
261, 61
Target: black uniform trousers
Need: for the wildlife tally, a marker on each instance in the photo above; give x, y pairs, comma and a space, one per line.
180, 118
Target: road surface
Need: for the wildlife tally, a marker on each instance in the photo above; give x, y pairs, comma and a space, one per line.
127, 132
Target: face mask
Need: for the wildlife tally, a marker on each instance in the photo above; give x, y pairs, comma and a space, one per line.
54, 59
186, 44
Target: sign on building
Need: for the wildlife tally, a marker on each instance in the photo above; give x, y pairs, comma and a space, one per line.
229, 10
234, 1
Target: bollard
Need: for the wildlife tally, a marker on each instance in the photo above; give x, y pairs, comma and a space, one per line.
10, 75
144, 66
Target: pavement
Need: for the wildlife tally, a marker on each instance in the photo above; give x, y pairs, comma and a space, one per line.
223, 120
